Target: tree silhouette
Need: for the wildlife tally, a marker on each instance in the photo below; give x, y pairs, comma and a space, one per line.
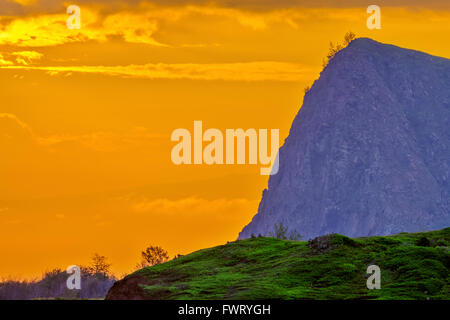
333, 49
99, 265
153, 255
281, 232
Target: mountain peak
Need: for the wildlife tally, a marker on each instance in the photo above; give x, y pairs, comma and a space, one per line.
368, 152
364, 43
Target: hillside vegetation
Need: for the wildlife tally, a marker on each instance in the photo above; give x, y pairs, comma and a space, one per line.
413, 266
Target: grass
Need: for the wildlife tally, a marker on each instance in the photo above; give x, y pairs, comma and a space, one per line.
413, 266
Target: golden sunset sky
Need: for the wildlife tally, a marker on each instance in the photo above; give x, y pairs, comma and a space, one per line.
86, 115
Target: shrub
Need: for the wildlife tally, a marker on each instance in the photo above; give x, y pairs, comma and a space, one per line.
282, 232
424, 242
153, 255
333, 49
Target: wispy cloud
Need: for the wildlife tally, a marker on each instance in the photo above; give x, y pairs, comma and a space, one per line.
27, 57
104, 141
24, 2
17, 121
3, 61
246, 71
192, 206
256, 5
12, 128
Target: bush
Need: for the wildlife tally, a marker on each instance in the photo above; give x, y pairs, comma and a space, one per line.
332, 50
424, 242
153, 255
281, 232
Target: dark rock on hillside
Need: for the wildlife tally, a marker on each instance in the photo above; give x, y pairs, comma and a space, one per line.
369, 151
129, 288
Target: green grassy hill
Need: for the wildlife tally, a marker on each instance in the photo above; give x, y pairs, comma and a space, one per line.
413, 266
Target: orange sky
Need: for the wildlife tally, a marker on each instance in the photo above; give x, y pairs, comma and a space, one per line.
86, 115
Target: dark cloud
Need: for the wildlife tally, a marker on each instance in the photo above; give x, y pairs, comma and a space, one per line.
8, 7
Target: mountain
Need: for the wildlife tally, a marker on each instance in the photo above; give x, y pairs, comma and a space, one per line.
369, 151
413, 266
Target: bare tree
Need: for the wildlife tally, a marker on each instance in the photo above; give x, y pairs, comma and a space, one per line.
99, 265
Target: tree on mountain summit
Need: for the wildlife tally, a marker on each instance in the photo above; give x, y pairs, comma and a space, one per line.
333, 49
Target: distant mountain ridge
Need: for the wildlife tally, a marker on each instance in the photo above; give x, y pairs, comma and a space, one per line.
369, 151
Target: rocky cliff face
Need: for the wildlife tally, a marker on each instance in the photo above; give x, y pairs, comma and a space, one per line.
369, 151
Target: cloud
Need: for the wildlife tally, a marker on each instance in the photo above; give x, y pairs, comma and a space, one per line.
21, 57
15, 121
27, 57
45, 30
104, 141
132, 27
16, 137
244, 71
143, 22
49, 5
24, 2
50, 29
137, 25
13, 130
192, 207
4, 62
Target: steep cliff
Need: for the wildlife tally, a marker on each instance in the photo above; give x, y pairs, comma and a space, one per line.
369, 151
